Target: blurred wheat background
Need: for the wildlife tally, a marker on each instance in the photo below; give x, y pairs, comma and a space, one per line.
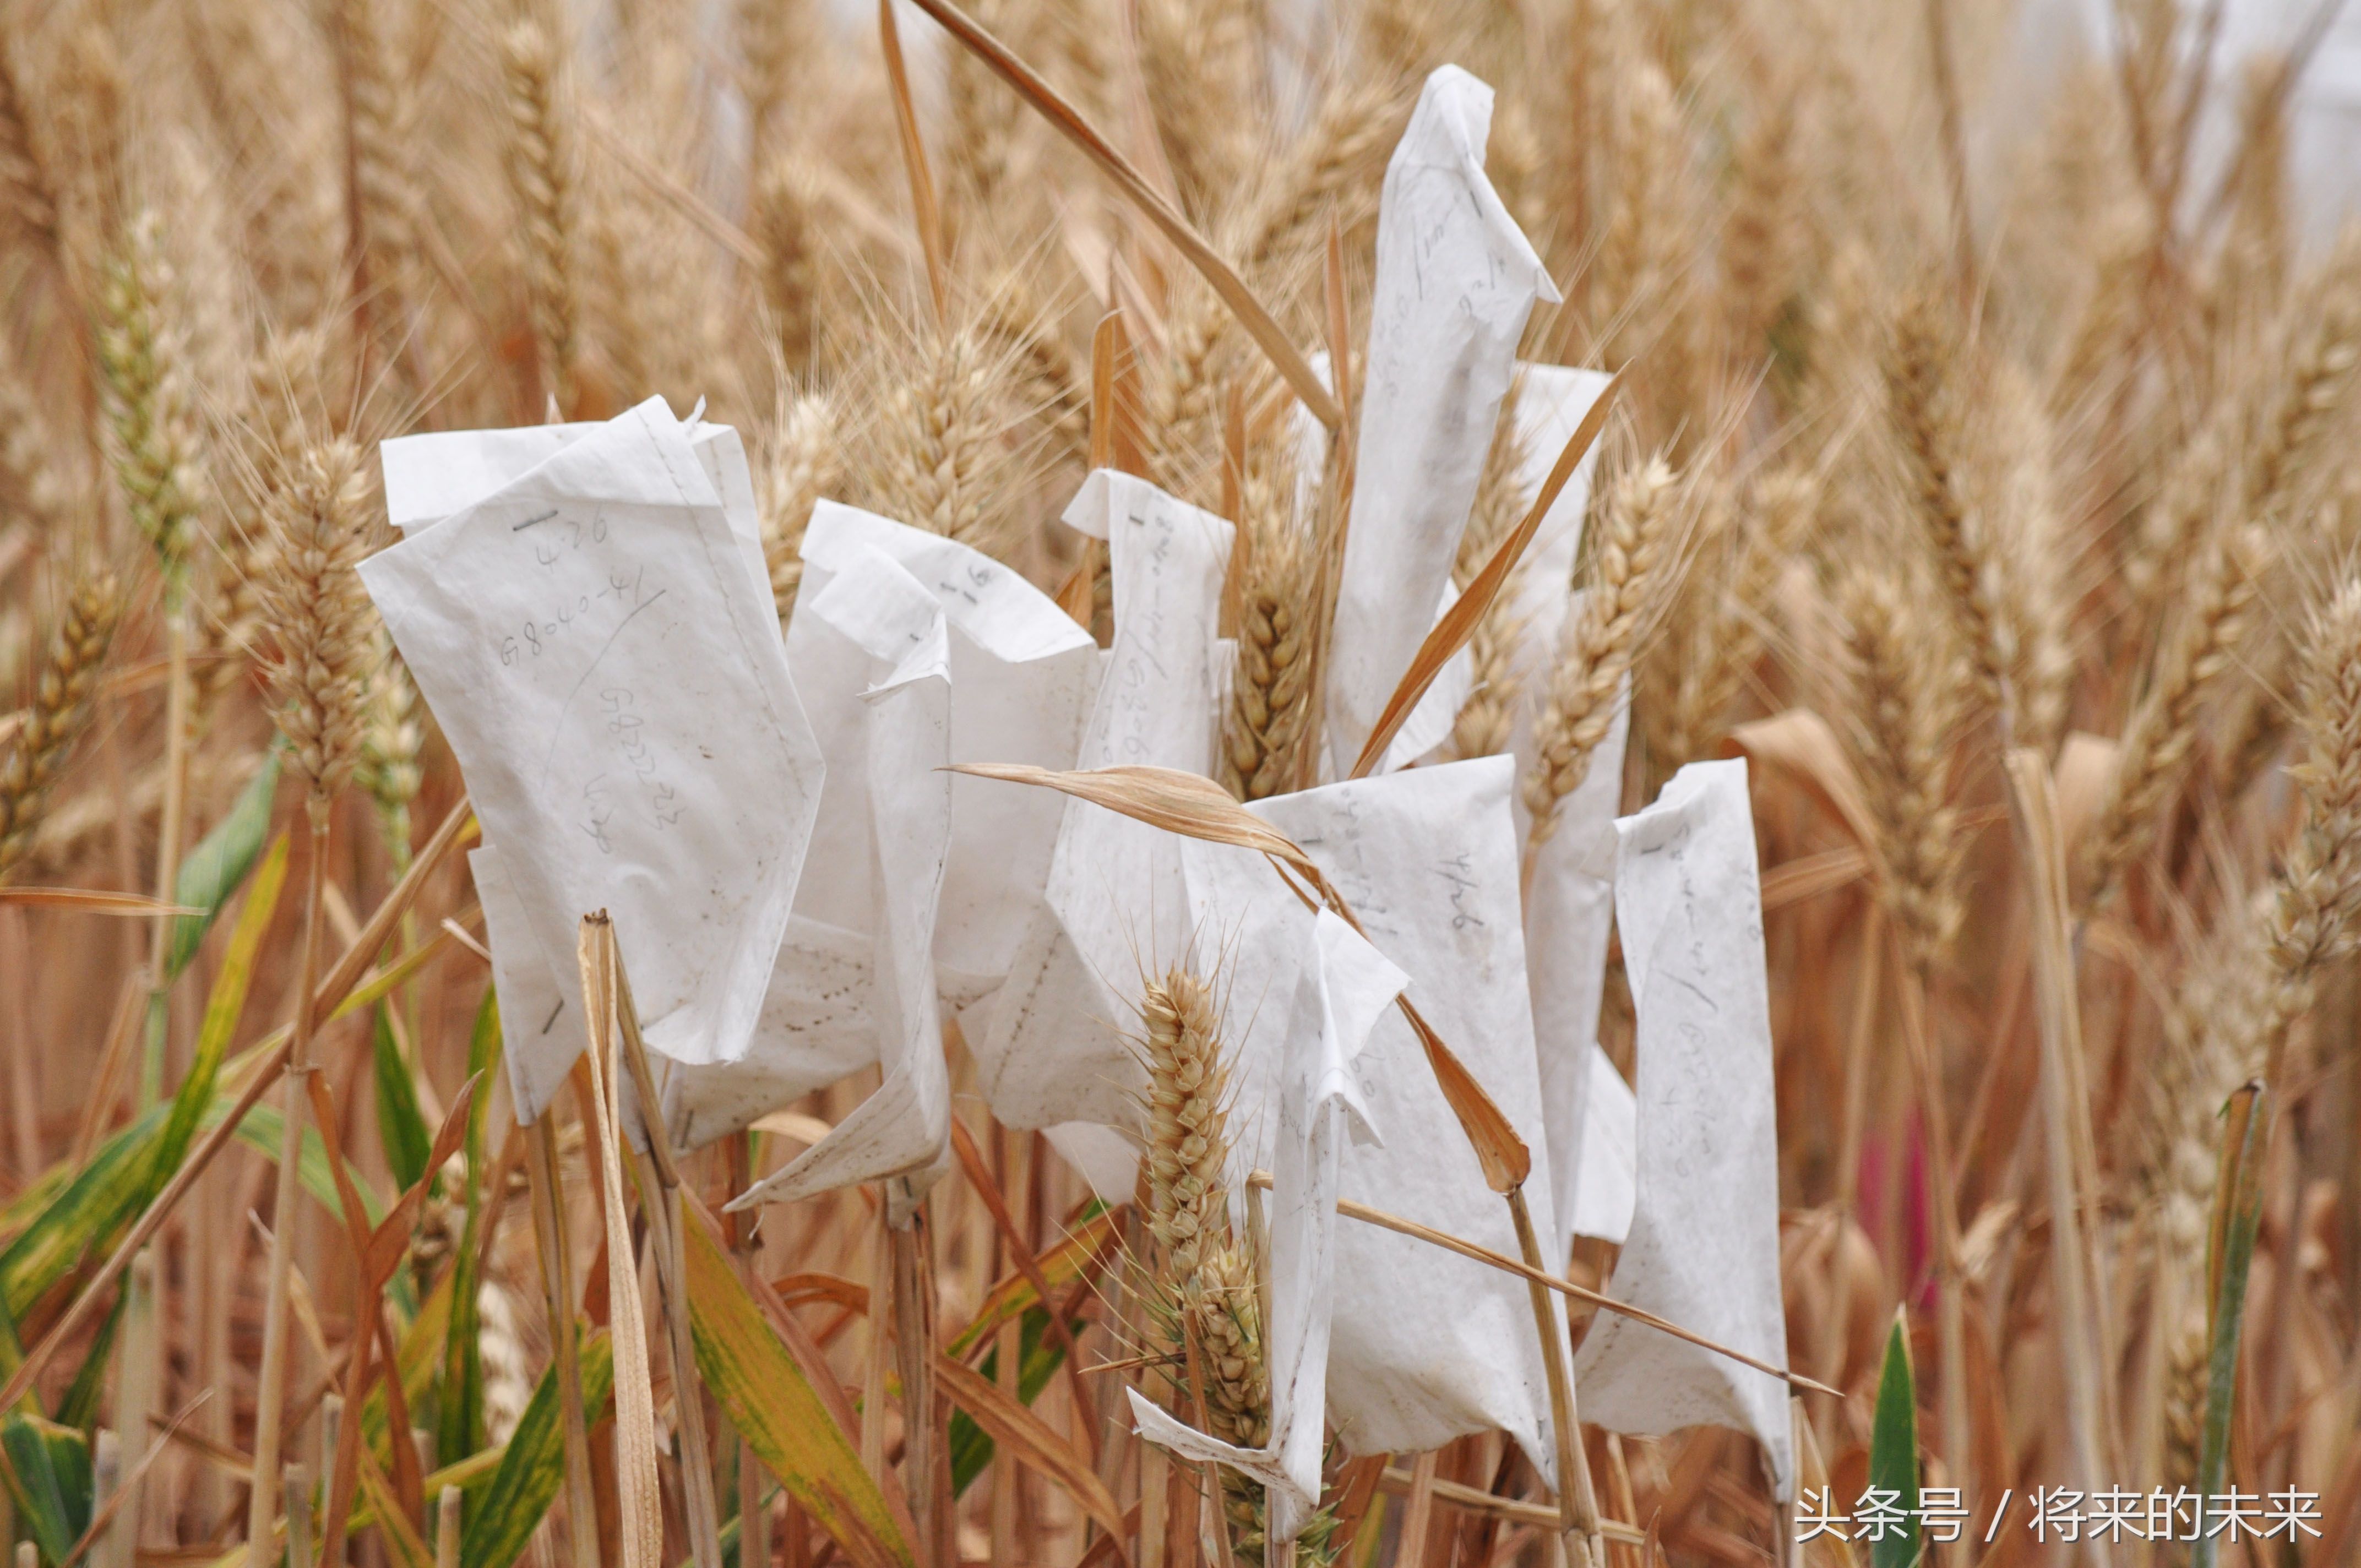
1983, 472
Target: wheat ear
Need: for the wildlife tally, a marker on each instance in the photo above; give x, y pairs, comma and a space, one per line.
1330, 170
60, 709
1635, 552
2318, 889
771, 38
981, 133
804, 464
938, 459
321, 672
29, 477
787, 205
394, 734
382, 190
1925, 424
1206, 1277
1197, 60
1486, 721
1717, 650
1267, 722
2310, 395
319, 681
27, 184
2163, 728
2258, 441
1763, 242
154, 449
541, 173
2235, 1018
1904, 704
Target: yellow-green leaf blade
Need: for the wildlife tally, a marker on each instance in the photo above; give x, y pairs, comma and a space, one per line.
781, 1415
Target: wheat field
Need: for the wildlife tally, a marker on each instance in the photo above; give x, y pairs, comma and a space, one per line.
1980, 470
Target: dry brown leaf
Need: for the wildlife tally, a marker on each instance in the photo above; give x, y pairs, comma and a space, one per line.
794, 1289
1177, 802
1506, 1159
1807, 876
1117, 438
1800, 742
2085, 764
1567, 1287
91, 901
1012, 1426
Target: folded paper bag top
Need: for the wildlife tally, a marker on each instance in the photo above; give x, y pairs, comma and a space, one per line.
1021, 679
609, 673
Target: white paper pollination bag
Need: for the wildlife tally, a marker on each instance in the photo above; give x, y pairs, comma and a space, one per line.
1569, 916
1053, 1051
1456, 279
1704, 1245
1021, 677
594, 635
876, 624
